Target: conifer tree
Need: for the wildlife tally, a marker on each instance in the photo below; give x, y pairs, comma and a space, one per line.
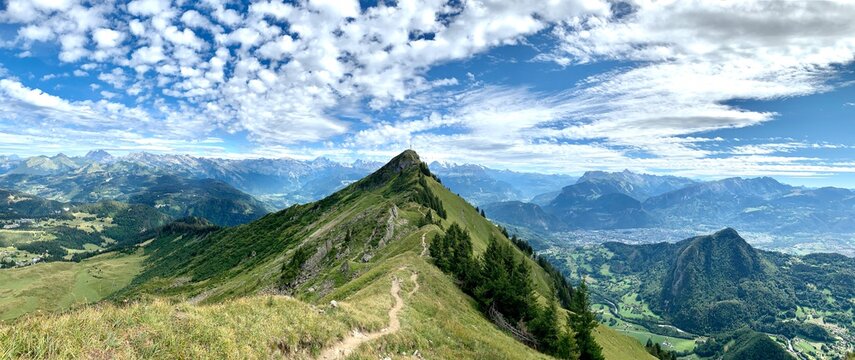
583, 322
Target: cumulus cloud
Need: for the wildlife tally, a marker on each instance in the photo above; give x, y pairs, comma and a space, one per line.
328, 74
107, 38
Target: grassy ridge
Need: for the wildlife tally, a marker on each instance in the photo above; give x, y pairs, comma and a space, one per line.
225, 268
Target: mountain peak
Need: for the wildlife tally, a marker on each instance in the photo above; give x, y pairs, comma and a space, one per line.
98, 155
403, 161
399, 164
727, 233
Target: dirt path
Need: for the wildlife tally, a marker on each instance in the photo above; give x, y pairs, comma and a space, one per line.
424, 246
415, 279
349, 344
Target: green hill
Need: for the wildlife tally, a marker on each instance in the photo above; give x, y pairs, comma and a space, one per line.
750, 345
712, 286
297, 282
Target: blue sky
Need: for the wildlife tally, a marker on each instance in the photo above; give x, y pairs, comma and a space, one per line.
699, 89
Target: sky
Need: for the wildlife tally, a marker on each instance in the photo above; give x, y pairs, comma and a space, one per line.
701, 89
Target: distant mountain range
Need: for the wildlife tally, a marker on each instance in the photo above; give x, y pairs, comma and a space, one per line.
483, 185
627, 200
540, 202
277, 182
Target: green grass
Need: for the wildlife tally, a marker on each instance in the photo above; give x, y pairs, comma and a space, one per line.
617, 346
257, 327
61, 285
14, 237
804, 346
438, 320
640, 333
631, 308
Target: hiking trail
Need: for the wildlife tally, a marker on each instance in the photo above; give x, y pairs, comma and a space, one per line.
424, 246
347, 346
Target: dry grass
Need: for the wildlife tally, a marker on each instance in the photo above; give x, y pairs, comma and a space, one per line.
248, 328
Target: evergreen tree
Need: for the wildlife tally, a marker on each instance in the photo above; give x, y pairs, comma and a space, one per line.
553, 338
439, 252
505, 283
583, 322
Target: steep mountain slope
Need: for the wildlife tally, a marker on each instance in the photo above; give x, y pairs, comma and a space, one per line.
707, 278
364, 247
707, 283
349, 229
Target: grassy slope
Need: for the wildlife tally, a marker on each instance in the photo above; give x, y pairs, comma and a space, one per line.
439, 321
618, 346
60, 285
256, 327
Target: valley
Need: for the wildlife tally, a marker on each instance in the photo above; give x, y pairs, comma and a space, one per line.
805, 303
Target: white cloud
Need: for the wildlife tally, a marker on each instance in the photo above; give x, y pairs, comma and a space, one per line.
278, 48
148, 7
115, 77
107, 38
36, 33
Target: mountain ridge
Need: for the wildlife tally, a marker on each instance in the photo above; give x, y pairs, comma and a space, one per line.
345, 250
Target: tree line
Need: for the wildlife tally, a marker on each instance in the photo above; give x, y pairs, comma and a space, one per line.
500, 281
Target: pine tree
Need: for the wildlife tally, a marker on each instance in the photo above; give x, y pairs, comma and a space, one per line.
439, 252
554, 340
583, 322
494, 273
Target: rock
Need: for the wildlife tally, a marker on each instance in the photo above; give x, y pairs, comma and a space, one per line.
367, 257
334, 304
